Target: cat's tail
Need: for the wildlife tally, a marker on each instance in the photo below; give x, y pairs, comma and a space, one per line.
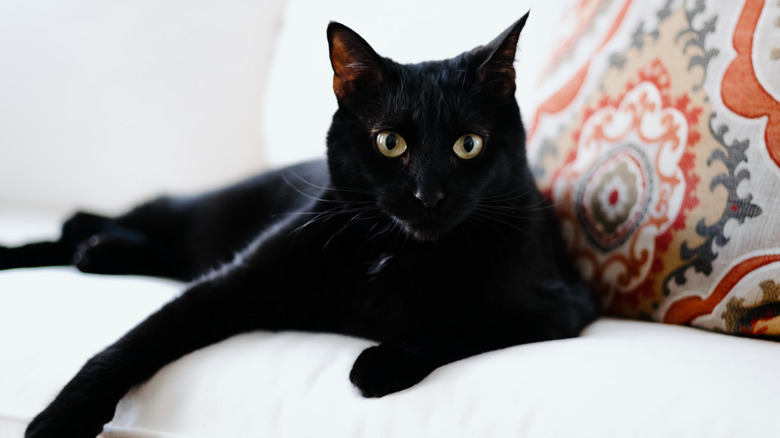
34, 255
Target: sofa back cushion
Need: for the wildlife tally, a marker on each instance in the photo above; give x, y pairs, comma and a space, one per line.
104, 104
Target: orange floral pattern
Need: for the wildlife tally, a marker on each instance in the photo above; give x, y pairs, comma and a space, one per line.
742, 91
661, 154
625, 186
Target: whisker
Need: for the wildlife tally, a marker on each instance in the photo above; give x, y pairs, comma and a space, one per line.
494, 223
341, 230
512, 213
335, 189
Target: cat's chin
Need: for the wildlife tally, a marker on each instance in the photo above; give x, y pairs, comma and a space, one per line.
422, 233
425, 236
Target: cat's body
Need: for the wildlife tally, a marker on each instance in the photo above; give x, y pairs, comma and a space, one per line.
424, 232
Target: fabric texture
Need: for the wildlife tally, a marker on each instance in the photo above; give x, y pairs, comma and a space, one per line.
658, 140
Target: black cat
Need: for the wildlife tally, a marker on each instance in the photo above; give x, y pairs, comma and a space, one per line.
424, 231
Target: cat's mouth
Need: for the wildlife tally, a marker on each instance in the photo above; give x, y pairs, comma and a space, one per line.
426, 224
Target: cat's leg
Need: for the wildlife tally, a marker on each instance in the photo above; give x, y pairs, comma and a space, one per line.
53, 253
242, 296
208, 312
399, 363
126, 253
33, 255
94, 244
176, 237
199, 317
99, 245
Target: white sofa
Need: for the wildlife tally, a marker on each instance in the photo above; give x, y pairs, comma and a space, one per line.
105, 104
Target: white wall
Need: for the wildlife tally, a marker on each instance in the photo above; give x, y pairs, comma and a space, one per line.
105, 103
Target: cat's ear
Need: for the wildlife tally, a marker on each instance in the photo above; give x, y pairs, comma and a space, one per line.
353, 60
498, 70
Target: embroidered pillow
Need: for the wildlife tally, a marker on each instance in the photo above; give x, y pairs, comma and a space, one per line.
657, 137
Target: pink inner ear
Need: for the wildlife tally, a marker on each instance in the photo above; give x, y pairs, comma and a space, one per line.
352, 59
343, 66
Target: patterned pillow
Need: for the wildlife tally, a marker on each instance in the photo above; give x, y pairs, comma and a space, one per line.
657, 137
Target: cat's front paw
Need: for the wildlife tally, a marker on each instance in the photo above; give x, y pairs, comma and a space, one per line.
70, 417
385, 369
46, 426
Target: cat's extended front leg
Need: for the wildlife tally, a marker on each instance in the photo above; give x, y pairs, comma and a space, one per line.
556, 311
208, 312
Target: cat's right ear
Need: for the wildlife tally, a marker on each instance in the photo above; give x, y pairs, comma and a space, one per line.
354, 61
498, 70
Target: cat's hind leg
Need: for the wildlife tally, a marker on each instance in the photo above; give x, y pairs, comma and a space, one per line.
53, 253
238, 298
34, 255
124, 252
99, 245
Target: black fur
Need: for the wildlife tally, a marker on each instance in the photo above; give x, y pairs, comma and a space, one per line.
436, 257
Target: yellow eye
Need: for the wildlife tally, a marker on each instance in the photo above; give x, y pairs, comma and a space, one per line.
468, 146
390, 144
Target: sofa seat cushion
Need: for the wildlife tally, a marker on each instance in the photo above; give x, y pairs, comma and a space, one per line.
622, 378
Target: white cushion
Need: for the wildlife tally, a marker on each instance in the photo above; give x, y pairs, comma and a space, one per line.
622, 378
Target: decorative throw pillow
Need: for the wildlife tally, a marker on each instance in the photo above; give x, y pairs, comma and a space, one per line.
657, 137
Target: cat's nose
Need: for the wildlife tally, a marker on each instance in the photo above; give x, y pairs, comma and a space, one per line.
429, 198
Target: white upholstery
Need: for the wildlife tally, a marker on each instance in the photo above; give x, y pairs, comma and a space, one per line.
621, 379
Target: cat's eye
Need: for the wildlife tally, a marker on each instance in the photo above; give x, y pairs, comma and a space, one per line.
468, 146
390, 144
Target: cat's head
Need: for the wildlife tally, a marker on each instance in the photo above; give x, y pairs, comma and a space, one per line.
426, 142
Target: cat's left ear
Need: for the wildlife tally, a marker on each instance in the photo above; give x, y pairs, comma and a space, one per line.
498, 70
353, 60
